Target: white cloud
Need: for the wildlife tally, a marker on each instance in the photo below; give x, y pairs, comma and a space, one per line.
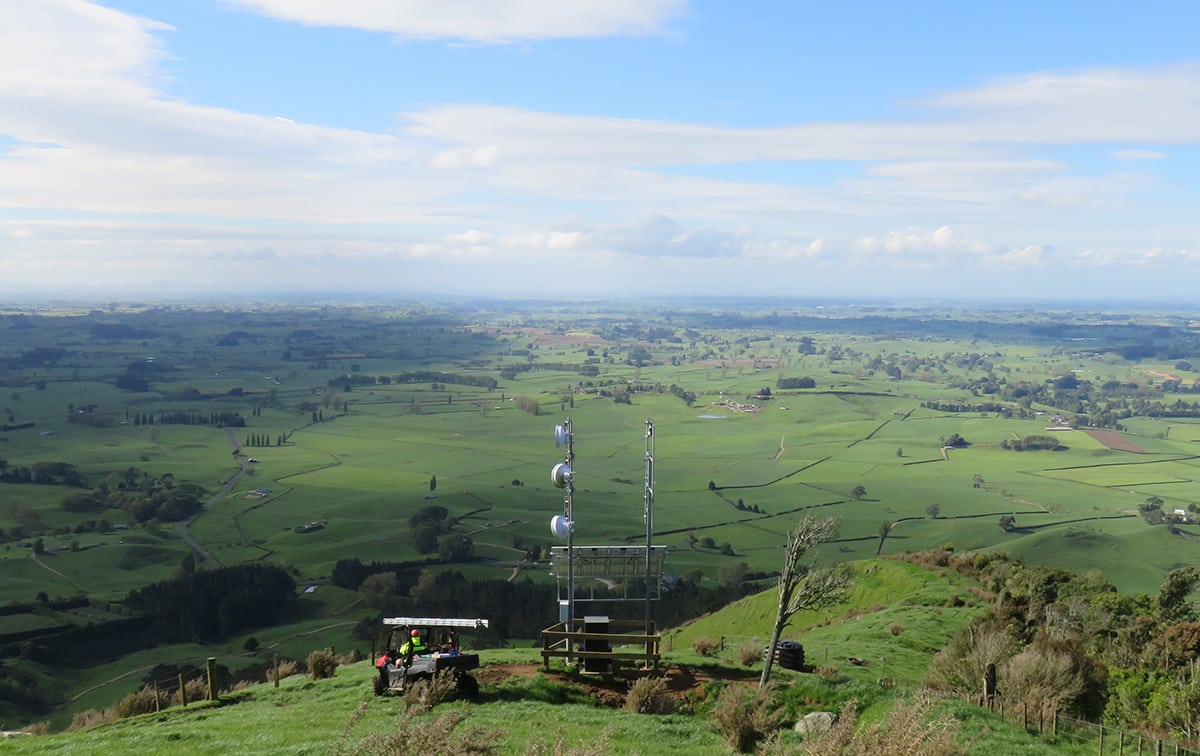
1153, 105
70, 48
936, 244
96, 136
488, 21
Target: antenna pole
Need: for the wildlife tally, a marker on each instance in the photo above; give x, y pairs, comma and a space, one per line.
568, 507
648, 514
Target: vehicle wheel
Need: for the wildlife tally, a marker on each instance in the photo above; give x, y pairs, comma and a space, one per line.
468, 687
377, 685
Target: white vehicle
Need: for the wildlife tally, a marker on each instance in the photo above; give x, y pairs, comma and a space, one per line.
401, 665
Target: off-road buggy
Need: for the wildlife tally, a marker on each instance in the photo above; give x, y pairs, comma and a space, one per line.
397, 670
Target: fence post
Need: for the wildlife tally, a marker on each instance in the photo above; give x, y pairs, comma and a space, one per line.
1024, 715
989, 684
157, 700
1101, 751
182, 691
276, 664
211, 667
1054, 723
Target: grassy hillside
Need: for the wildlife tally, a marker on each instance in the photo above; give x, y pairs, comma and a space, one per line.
529, 714
530, 711
897, 616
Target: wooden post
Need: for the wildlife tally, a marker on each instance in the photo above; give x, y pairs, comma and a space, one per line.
989, 685
1024, 715
182, 691
157, 700
1055, 723
211, 667
275, 661
1101, 751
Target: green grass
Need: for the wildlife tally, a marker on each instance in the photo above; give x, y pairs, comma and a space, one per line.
303, 716
366, 468
884, 593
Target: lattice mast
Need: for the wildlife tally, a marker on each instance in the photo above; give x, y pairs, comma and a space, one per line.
648, 516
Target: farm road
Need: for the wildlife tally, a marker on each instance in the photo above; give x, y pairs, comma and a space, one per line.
181, 528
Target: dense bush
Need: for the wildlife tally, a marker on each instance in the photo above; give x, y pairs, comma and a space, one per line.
706, 646
321, 664
744, 716
648, 695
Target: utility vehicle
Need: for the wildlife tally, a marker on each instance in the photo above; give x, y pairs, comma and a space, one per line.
400, 667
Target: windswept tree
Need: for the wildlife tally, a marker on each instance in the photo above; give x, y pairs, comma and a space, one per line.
804, 588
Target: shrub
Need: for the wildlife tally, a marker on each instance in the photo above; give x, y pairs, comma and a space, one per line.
143, 701
706, 646
321, 664
648, 695
90, 717
908, 728
287, 668
196, 690
744, 716
749, 654
411, 737
896, 628
350, 657
423, 695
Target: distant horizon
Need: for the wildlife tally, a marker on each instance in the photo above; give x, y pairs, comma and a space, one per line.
351, 299
599, 148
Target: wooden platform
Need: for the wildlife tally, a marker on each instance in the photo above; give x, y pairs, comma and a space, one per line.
625, 641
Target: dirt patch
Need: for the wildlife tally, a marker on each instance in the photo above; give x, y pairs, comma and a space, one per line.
611, 690
1115, 441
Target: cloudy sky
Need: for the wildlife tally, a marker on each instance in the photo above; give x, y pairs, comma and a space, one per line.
564, 148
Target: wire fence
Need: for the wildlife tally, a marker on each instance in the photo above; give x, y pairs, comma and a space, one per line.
1084, 736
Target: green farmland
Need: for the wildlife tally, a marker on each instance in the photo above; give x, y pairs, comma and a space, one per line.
350, 420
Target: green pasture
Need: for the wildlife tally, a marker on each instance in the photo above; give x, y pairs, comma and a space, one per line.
885, 593
1124, 474
365, 468
1131, 555
20, 623
1182, 432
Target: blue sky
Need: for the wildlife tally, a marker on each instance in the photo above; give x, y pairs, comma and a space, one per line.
599, 147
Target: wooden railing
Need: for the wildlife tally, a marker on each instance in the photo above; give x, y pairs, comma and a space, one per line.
560, 641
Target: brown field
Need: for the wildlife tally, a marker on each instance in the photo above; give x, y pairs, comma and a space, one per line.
1114, 440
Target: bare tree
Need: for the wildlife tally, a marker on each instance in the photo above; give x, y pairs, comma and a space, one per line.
800, 588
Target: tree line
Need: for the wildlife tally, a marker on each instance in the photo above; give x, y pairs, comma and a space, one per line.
215, 604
